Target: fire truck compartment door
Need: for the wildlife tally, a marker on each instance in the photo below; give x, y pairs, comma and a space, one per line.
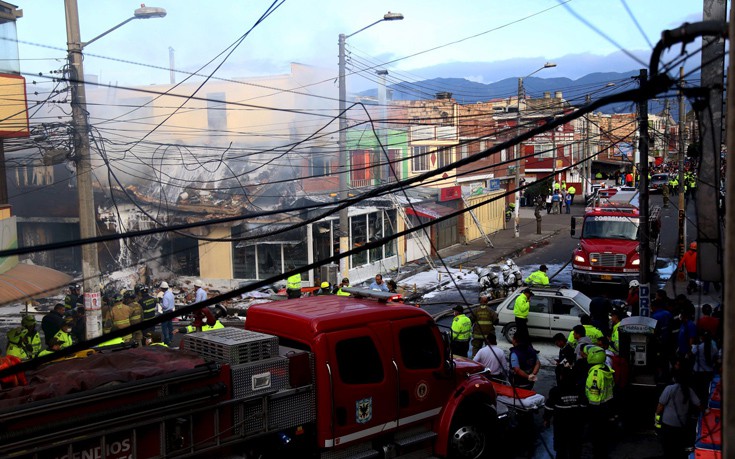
364, 384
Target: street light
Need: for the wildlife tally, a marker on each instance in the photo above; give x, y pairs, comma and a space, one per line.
87, 217
521, 95
343, 170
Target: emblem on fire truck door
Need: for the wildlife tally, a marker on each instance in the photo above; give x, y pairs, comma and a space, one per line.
364, 410
422, 390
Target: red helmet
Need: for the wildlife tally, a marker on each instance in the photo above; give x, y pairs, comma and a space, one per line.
693, 246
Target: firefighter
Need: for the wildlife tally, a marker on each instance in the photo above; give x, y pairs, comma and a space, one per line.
64, 335
324, 289
521, 307
293, 286
599, 391
484, 320
461, 332
136, 315
120, 314
338, 288
538, 277
73, 298
147, 303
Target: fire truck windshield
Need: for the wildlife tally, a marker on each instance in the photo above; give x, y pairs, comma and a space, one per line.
610, 228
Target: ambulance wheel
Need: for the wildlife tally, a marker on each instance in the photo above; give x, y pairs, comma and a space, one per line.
470, 437
509, 331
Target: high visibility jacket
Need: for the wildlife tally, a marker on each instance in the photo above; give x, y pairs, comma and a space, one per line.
159, 344
294, 282
563, 185
521, 307
112, 342
148, 304
484, 322
615, 338
571, 190
45, 352
593, 333
556, 185
461, 328
26, 346
192, 329
120, 316
341, 293
537, 278
599, 385
136, 313
65, 338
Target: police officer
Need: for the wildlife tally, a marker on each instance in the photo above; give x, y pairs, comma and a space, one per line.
538, 277
599, 391
293, 286
484, 320
64, 335
338, 288
521, 307
461, 332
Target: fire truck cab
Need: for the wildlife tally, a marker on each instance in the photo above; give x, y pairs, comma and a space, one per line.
608, 249
326, 376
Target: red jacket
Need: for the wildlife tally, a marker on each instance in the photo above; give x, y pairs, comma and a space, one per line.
17, 379
689, 260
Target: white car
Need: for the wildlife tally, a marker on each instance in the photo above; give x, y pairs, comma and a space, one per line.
552, 311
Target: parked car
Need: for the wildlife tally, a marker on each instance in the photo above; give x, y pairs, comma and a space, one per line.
657, 181
552, 311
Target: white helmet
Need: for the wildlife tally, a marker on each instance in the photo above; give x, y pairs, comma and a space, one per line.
164, 284
506, 270
634, 283
198, 283
510, 262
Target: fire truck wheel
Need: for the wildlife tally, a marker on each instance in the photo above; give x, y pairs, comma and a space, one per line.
508, 331
470, 436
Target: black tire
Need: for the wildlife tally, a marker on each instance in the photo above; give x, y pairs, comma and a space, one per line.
470, 435
509, 331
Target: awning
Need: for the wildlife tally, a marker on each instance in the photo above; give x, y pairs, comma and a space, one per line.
24, 281
429, 210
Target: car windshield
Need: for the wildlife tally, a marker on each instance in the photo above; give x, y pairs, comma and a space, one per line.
660, 178
610, 227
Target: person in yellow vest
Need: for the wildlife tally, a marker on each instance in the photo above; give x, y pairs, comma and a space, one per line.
521, 307
293, 286
192, 329
338, 288
120, 314
26, 341
599, 391
615, 317
538, 277
572, 191
155, 339
136, 315
54, 345
64, 335
592, 332
484, 320
461, 332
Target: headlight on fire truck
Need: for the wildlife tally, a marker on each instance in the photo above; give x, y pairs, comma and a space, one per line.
579, 259
636, 262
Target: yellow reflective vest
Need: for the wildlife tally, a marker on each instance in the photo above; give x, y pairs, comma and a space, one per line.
537, 277
461, 328
599, 385
294, 282
521, 307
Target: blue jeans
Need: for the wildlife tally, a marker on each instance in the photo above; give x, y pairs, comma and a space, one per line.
167, 332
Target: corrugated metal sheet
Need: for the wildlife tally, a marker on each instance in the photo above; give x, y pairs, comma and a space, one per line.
24, 282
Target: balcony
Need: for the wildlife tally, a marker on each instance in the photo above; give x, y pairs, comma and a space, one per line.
432, 132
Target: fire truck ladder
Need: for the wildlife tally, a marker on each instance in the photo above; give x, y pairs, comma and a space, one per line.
407, 221
488, 242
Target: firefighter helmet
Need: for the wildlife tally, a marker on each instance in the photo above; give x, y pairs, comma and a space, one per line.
325, 284
595, 355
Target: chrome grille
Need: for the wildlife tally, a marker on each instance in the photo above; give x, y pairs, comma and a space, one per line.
608, 260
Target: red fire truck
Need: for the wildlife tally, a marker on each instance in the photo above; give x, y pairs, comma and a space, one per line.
608, 249
326, 376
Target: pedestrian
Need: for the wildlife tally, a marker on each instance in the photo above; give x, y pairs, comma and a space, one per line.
51, 322
524, 363
324, 289
708, 323
392, 286
461, 332
549, 203
493, 358
167, 306
379, 284
633, 299
565, 361
600, 308
688, 264
665, 193
484, 320
704, 358
538, 277
293, 288
568, 203
687, 335
338, 288
556, 202
521, 307
599, 388
201, 293
566, 406
677, 403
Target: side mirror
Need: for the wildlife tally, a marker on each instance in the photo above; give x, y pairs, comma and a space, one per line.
448, 356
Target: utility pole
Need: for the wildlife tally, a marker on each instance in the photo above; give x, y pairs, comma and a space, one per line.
666, 130
587, 184
644, 223
171, 66
682, 238
85, 196
517, 210
344, 161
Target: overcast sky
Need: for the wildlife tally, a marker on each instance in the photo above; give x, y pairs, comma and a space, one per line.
306, 31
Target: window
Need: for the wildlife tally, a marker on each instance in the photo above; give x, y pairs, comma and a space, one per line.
267, 256
503, 155
545, 150
358, 361
538, 304
565, 307
483, 145
464, 151
375, 232
389, 217
360, 165
358, 230
216, 111
418, 348
444, 156
319, 164
391, 167
420, 159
